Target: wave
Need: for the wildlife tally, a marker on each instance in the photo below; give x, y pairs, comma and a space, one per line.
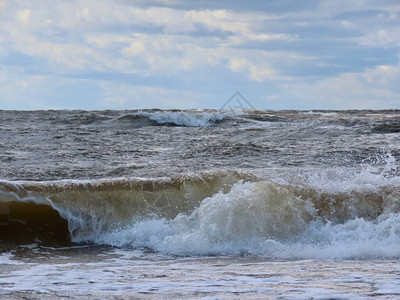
265, 219
92, 207
324, 215
363, 121
387, 126
176, 118
27, 222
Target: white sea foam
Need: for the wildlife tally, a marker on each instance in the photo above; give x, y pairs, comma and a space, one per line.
155, 277
269, 219
356, 239
372, 176
7, 258
16, 193
320, 113
260, 219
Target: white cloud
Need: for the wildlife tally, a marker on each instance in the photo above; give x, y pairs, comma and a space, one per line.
164, 42
382, 38
375, 88
3, 4
120, 96
24, 16
107, 40
256, 72
272, 37
224, 20
21, 91
83, 48
134, 49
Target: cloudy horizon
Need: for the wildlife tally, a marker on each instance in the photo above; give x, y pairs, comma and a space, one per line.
195, 54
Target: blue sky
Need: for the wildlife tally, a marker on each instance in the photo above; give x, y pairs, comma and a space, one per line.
121, 54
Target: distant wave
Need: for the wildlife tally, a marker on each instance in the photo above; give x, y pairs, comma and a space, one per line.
177, 118
387, 126
364, 121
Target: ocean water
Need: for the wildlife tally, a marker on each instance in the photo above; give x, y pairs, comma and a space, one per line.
200, 204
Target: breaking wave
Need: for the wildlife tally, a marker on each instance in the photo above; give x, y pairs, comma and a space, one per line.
93, 207
325, 215
176, 118
268, 219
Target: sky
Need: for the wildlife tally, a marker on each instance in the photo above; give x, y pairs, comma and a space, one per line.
173, 54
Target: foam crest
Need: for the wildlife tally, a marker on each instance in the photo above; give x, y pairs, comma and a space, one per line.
353, 239
268, 219
249, 211
10, 192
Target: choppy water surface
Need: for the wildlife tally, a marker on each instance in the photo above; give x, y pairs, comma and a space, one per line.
53, 145
194, 204
122, 274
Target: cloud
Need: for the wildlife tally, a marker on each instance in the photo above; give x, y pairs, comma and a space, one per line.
120, 96
375, 88
24, 16
29, 92
256, 72
21, 91
134, 49
329, 50
3, 4
382, 38
52, 36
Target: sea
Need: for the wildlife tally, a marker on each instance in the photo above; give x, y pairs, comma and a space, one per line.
200, 204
